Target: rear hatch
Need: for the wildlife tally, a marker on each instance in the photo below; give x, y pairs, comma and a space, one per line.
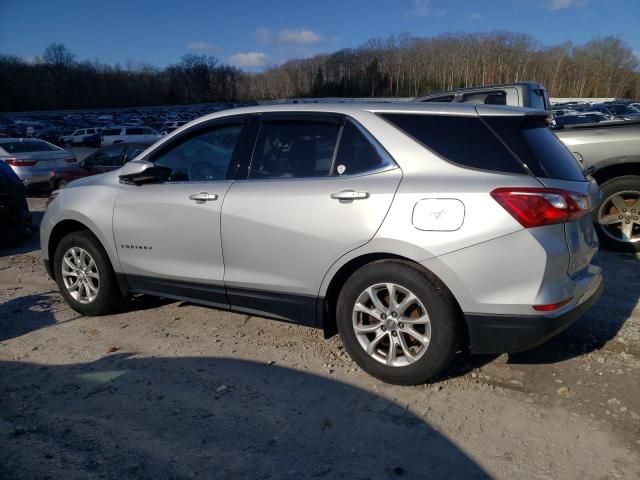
548, 159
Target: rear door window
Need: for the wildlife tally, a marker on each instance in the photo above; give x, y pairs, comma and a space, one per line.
294, 149
464, 140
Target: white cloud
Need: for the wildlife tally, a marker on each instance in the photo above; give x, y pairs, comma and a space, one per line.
422, 8
249, 60
203, 47
475, 16
555, 5
301, 36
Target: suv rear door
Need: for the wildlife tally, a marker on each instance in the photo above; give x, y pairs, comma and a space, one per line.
318, 186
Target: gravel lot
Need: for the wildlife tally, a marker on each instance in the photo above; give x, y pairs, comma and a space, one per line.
166, 389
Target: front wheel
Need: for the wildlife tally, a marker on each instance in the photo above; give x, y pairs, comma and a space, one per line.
84, 275
397, 322
617, 218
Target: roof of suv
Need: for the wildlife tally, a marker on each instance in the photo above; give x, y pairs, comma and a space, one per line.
400, 107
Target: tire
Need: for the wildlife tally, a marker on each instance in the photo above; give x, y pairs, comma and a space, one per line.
432, 298
626, 192
107, 295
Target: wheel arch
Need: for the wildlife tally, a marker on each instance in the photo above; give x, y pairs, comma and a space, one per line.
64, 228
617, 170
328, 303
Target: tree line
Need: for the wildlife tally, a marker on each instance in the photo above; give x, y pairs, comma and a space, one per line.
396, 66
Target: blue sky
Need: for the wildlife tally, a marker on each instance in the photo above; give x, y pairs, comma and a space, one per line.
254, 34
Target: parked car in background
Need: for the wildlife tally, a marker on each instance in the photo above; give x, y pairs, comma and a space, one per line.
624, 111
374, 219
33, 160
54, 137
121, 134
83, 136
579, 118
104, 160
523, 94
15, 219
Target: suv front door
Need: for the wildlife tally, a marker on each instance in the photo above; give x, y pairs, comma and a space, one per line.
317, 187
168, 234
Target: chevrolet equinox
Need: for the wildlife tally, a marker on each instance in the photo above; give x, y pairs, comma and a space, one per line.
412, 230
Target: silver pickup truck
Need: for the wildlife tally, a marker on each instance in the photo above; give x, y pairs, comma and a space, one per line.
610, 152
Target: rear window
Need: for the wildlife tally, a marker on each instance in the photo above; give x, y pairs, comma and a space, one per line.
537, 147
27, 146
463, 140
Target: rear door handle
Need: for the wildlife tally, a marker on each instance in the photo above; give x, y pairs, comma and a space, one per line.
349, 195
203, 197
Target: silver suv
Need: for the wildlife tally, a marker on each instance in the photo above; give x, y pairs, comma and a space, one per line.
412, 230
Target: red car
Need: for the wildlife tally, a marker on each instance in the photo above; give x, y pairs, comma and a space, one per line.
101, 161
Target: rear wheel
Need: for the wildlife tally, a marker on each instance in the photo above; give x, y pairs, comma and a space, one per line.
84, 275
397, 323
618, 216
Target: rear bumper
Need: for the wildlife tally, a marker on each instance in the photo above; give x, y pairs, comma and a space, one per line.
510, 333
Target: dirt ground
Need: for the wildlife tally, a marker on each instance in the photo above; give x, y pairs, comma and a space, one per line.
166, 389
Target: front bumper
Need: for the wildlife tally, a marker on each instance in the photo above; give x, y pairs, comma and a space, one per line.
511, 334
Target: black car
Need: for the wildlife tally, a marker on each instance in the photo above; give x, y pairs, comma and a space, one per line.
15, 219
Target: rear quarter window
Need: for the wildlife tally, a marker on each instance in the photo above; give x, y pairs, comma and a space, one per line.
537, 147
465, 141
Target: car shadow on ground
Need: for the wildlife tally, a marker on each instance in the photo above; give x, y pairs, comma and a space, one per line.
156, 418
24, 314
24, 246
602, 322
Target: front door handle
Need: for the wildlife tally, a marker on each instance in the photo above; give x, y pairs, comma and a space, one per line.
203, 197
349, 195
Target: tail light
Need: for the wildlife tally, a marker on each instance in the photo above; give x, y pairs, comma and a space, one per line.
535, 207
15, 162
71, 159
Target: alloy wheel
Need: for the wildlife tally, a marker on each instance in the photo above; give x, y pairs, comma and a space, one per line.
619, 216
80, 275
391, 324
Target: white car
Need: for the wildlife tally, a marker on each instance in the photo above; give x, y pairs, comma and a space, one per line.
79, 136
129, 134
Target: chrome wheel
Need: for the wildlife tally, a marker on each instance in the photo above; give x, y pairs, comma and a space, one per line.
80, 275
619, 216
391, 324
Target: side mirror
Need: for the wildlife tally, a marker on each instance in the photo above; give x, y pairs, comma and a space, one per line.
139, 172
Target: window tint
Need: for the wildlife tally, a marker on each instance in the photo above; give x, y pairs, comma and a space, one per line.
356, 154
462, 140
135, 131
111, 131
288, 149
203, 157
107, 157
537, 147
25, 146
